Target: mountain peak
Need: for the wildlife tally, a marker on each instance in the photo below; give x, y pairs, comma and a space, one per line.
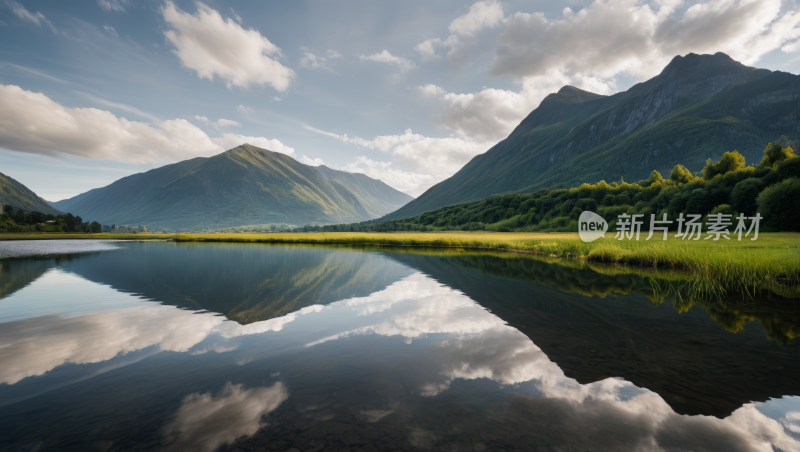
243, 186
248, 152
693, 61
247, 147
569, 94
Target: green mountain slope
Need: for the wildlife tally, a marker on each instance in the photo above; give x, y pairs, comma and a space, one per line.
243, 186
21, 197
697, 108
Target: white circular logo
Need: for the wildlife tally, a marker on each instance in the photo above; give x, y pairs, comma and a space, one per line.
591, 226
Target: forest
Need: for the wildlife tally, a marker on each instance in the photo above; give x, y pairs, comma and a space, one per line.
20, 220
728, 186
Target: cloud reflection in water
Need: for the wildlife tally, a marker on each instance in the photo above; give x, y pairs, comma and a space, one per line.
34, 346
611, 414
618, 415
205, 422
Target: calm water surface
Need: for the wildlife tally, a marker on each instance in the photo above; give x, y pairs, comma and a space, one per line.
206, 347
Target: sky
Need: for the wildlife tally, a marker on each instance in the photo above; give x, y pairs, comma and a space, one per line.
405, 92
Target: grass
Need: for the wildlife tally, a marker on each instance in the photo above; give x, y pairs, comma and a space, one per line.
772, 260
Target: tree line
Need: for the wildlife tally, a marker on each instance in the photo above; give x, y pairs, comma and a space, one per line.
729, 186
20, 220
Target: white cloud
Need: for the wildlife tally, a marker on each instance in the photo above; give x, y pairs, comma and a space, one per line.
32, 122
491, 114
205, 422
243, 109
404, 64
642, 40
221, 123
431, 90
218, 124
427, 48
123, 107
407, 182
312, 61
111, 30
791, 47
430, 159
236, 16
321, 132
481, 15
218, 47
113, 5
311, 162
38, 19
230, 141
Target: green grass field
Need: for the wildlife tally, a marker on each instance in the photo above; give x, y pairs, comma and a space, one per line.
773, 259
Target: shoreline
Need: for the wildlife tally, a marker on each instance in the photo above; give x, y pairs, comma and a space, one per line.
773, 259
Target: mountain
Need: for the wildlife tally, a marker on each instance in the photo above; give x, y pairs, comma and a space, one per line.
243, 186
21, 197
699, 107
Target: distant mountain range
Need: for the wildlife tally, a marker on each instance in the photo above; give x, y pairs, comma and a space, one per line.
21, 197
699, 107
243, 186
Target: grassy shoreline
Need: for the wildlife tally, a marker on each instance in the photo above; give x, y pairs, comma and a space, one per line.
774, 258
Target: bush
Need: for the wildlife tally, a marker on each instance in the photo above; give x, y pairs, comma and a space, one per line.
780, 205
724, 209
743, 197
788, 168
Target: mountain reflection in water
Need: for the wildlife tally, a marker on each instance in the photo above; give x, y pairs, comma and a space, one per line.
328, 348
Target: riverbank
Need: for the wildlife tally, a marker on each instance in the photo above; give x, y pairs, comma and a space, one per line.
774, 258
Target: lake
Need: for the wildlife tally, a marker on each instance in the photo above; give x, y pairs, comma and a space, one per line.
112, 346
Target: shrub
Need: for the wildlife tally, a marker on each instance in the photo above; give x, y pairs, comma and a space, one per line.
743, 197
780, 205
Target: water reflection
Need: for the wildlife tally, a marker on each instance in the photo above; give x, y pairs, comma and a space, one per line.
36, 345
684, 355
435, 351
205, 422
241, 281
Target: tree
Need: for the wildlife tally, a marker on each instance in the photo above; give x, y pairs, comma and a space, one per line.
95, 227
655, 177
780, 205
681, 175
744, 195
775, 153
730, 161
8, 209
